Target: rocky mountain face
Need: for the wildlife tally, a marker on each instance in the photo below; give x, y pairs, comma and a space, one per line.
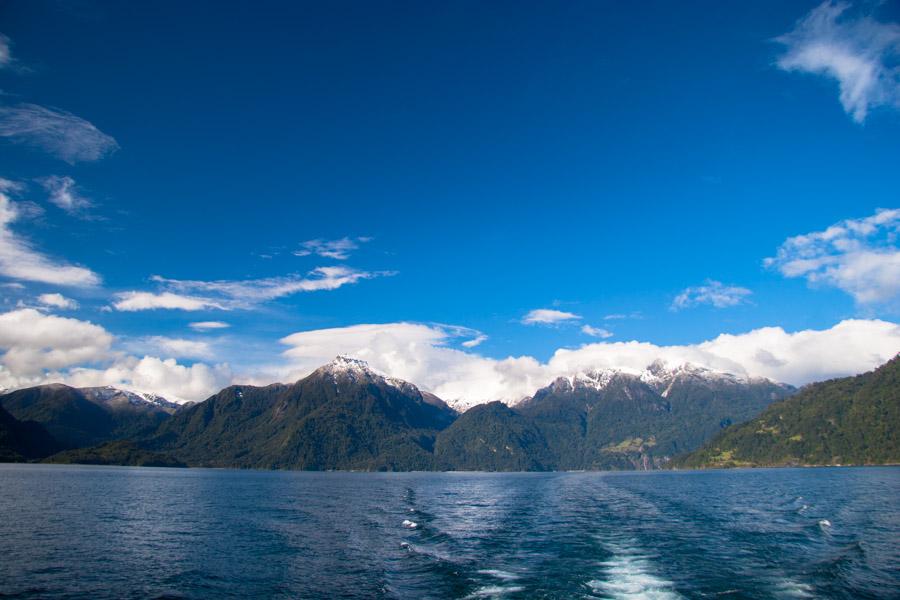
849, 421
84, 417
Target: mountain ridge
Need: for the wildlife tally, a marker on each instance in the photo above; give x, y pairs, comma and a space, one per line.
848, 420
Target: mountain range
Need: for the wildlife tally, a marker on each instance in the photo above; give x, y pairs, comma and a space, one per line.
348, 416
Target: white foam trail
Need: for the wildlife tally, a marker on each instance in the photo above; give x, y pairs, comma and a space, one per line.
793, 589
493, 591
630, 576
504, 575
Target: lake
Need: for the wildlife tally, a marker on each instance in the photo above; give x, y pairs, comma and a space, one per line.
116, 532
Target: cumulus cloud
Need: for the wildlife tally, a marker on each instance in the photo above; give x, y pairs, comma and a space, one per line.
208, 325
41, 348
34, 342
336, 249
598, 332
548, 316
420, 354
857, 256
57, 301
135, 301
860, 53
417, 353
165, 377
64, 193
713, 293
20, 260
56, 132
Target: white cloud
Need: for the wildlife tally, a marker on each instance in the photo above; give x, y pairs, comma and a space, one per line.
336, 249
20, 260
180, 347
135, 301
713, 293
548, 316
165, 377
416, 353
419, 353
243, 294
860, 53
621, 316
5, 52
475, 341
63, 192
33, 342
57, 132
596, 332
38, 348
208, 325
57, 301
859, 256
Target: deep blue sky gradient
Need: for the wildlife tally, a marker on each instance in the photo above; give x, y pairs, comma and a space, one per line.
503, 155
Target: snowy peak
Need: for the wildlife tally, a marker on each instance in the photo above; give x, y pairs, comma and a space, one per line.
344, 369
594, 379
114, 397
658, 375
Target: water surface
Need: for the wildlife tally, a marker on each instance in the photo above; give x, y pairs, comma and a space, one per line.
115, 532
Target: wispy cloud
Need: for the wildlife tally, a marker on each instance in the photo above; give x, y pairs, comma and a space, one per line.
20, 260
183, 294
57, 301
859, 256
336, 249
548, 316
859, 52
57, 132
475, 341
137, 301
5, 52
64, 193
208, 325
260, 290
622, 316
713, 293
180, 347
597, 332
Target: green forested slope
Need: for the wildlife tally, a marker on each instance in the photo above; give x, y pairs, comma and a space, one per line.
853, 420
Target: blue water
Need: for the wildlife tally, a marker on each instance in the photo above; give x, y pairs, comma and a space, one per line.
111, 532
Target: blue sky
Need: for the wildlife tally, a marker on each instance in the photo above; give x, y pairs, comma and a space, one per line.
479, 161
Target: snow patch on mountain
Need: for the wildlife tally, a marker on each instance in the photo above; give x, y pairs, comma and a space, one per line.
111, 395
346, 368
658, 375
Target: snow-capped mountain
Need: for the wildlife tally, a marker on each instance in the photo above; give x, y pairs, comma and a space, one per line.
344, 370
658, 376
117, 398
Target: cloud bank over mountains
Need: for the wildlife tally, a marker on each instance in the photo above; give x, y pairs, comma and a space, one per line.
39, 348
